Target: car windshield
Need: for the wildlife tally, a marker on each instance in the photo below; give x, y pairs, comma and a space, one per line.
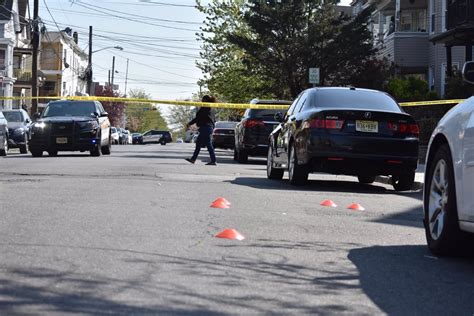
13, 116
114, 130
136, 134
69, 108
225, 125
359, 99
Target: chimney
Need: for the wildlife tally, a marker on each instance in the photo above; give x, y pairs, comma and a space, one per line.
75, 37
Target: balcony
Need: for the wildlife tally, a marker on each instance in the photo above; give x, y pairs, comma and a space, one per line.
22, 75
460, 14
407, 50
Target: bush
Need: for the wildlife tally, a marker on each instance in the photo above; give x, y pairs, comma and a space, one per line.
410, 89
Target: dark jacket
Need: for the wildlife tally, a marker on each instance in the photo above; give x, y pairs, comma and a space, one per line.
204, 117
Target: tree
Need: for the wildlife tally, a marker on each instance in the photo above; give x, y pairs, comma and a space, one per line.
143, 116
116, 110
179, 117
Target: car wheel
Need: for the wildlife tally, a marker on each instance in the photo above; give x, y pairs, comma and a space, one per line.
236, 154
96, 151
441, 219
242, 156
366, 179
37, 153
273, 173
107, 149
163, 143
4, 149
24, 148
404, 181
297, 174
53, 153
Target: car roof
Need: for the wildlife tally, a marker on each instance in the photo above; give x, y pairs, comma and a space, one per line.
258, 101
346, 88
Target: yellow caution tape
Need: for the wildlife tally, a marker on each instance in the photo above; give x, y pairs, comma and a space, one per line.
211, 105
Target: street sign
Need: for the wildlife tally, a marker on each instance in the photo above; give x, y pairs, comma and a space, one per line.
314, 75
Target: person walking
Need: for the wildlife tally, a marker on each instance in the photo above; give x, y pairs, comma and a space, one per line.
205, 121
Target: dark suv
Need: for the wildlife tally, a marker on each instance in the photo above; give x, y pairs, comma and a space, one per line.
71, 126
252, 132
18, 129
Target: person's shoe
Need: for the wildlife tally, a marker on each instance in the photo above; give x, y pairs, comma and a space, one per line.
212, 163
189, 160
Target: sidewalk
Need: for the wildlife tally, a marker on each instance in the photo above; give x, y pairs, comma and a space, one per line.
419, 178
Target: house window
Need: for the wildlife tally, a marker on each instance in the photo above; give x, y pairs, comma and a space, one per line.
2, 59
444, 15
432, 16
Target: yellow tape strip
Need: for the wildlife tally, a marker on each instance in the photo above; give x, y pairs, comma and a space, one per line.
212, 105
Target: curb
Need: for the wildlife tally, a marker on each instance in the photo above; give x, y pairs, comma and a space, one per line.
417, 185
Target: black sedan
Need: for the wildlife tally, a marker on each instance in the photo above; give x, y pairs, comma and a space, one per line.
71, 126
348, 131
223, 135
18, 129
137, 138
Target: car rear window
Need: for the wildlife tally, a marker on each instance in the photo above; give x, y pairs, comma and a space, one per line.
263, 114
225, 125
360, 99
70, 108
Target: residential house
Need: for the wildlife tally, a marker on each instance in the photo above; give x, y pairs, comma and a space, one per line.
402, 32
15, 52
63, 64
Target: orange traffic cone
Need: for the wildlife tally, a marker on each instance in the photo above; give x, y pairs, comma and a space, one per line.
356, 207
223, 200
328, 203
219, 204
230, 233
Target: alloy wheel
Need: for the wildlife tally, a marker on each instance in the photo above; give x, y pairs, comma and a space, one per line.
438, 199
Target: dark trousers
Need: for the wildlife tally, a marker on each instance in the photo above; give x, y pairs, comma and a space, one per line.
204, 139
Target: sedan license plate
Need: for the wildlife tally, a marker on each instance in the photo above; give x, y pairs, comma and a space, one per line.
367, 126
61, 140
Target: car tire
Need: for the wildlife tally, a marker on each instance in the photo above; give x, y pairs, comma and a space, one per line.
366, 179
163, 143
37, 153
443, 235
242, 156
96, 151
4, 149
53, 153
272, 172
24, 148
297, 174
404, 181
107, 149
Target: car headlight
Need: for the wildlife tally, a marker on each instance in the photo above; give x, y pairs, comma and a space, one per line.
89, 125
39, 126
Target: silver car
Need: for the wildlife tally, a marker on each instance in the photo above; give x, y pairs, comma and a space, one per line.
3, 135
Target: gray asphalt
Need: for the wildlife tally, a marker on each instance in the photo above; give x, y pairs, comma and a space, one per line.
133, 234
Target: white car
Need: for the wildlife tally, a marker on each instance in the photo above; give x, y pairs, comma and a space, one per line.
449, 179
115, 135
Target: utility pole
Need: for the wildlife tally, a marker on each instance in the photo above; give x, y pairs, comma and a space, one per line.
89, 66
126, 79
34, 66
113, 71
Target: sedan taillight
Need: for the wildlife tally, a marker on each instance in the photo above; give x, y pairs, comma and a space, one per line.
252, 123
403, 128
325, 124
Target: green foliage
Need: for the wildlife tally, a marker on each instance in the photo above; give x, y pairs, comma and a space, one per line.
179, 117
143, 116
410, 89
457, 88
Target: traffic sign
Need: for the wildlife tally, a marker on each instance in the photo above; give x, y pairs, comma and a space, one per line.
314, 75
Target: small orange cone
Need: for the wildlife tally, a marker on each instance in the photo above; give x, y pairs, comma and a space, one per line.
223, 200
230, 233
219, 204
356, 207
328, 203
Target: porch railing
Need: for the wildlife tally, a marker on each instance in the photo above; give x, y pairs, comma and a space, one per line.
22, 75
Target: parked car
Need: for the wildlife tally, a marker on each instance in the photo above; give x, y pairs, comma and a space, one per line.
251, 133
154, 136
348, 131
71, 126
18, 129
114, 135
179, 141
122, 136
223, 135
449, 179
127, 137
3, 135
137, 138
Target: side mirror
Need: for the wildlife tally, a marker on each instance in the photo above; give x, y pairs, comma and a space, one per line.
36, 116
279, 117
27, 121
104, 114
468, 72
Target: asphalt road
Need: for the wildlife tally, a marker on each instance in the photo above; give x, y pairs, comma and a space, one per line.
133, 233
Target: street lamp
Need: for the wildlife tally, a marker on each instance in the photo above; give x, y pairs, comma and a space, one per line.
116, 47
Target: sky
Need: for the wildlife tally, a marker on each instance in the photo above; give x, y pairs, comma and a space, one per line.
157, 36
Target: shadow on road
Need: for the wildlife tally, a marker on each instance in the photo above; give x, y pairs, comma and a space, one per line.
407, 280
